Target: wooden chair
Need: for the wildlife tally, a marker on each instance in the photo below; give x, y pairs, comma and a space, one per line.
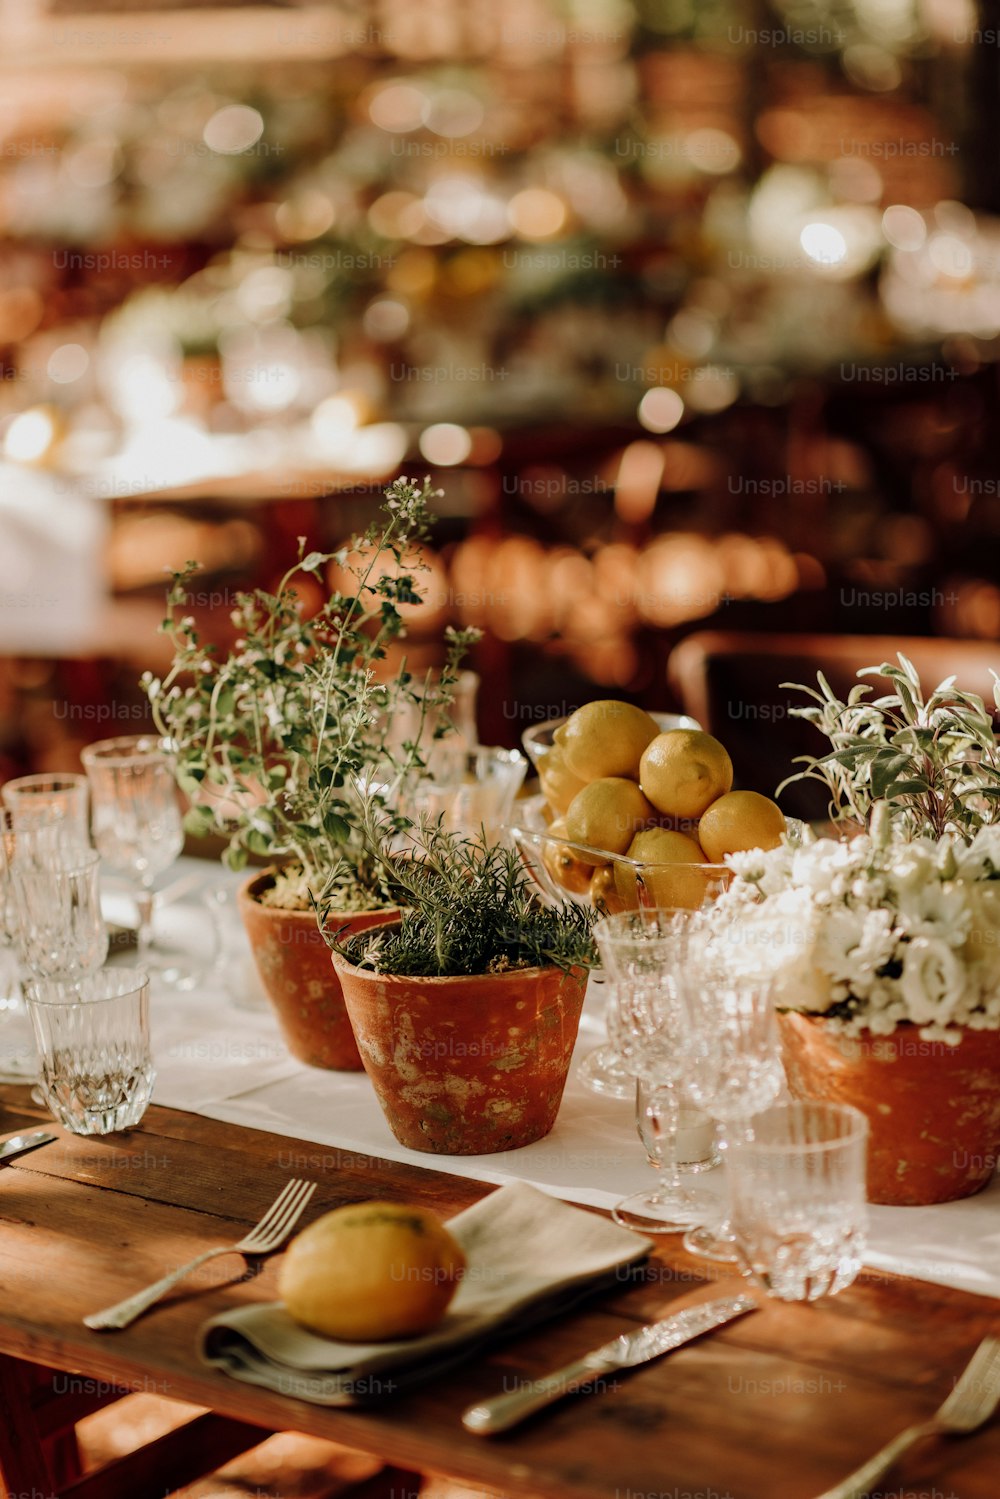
39, 1459
731, 683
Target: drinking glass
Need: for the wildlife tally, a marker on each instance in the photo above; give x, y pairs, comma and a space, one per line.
93, 1042
50, 801
17, 1042
471, 791
137, 818
728, 1037
643, 952
59, 931
797, 1192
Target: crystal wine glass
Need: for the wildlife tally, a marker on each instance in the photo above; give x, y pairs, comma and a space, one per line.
729, 1047
642, 952
136, 817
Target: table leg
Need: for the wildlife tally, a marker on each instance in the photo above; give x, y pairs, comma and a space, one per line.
23, 1469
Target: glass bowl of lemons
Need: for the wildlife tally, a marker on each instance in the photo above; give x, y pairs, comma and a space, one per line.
635, 808
564, 869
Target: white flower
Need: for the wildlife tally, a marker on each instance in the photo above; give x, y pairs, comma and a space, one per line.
936, 911
818, 866
913, 865
982, 857
933, 981
854, 944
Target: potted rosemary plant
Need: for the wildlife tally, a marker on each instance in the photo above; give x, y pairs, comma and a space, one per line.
892, 1000
279, 742
466, 1007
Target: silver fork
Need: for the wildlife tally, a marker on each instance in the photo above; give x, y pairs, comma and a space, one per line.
269, 1234
971, 1402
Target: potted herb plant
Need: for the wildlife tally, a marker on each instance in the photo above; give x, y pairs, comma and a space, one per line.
279, 741
466, 1007
892, 1000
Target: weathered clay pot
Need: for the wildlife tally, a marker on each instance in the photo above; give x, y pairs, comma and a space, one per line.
294, 966
466, 1066
934, 1110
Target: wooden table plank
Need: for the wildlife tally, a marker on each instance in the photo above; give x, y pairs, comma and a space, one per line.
778, 1406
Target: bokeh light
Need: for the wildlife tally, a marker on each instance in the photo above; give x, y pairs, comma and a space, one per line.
233, 129
660, 409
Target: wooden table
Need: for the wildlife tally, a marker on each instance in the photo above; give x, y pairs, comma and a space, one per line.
777, 1406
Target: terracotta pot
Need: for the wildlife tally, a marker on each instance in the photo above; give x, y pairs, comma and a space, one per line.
294, 966
466, 1066
934, 1110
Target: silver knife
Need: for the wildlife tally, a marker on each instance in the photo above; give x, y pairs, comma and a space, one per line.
632, 1348
17, 1144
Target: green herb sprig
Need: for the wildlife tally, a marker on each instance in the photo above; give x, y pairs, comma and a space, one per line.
276, 741
934, 762
467, 907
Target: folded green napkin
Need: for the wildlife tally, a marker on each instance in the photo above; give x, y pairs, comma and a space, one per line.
528, 1256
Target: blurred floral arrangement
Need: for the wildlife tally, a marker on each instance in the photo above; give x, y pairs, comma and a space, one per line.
901, 923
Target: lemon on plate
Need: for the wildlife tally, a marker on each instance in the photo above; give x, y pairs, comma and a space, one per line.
370, 1272
677, 875
738, 821
606, 815
684, 771
605, 738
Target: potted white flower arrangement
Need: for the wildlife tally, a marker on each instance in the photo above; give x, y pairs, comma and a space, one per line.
891, 997
279, 742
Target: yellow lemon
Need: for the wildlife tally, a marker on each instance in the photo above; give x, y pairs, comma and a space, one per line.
605, 738
604, 890
371, 1271
564, 864
673, 878
559, 784
606, 815
740, 820
684, 771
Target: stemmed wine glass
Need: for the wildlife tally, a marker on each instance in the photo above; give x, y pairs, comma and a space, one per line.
643, 952
729, 1047
136, 817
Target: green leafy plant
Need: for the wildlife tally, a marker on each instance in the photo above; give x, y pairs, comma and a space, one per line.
279, 742
934, 762
467, 907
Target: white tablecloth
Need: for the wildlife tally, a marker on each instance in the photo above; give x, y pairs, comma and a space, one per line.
219, 1053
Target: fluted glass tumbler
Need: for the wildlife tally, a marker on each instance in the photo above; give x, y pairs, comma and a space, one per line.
56, 803
797, 1193
93, 1045
60, 932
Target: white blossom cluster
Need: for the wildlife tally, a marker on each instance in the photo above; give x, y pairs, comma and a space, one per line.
906, 932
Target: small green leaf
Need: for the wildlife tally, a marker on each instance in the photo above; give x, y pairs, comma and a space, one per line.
911, 787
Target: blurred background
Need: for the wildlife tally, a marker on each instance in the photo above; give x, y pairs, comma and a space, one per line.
691, 308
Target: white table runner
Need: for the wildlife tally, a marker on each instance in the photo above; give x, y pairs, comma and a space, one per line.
219, 1053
